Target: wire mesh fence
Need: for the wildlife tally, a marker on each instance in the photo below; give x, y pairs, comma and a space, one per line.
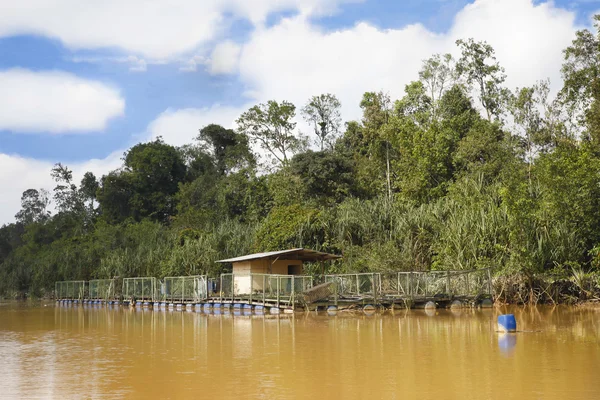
282, 289
356, 285
103, 289
257, 288
431, 283
184, 289
143, 289
70, 290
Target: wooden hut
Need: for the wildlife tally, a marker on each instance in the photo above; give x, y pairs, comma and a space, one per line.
283, 262
248, 270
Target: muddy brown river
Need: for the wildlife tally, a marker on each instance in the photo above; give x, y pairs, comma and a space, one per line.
75, 352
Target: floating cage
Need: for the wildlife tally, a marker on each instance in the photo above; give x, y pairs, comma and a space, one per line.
69, 290
431, 283
142, 289
103, 289
356, 285
263, 288
185, 289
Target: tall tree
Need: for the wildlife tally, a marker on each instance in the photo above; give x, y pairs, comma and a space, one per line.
478, 65
34, 204
271, 125
89, 187
66, 194
229, 149
323, 113
377, 108
438, 74
528, 107
581, 91
156, 171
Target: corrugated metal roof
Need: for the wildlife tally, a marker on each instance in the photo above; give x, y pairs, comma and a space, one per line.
300, 254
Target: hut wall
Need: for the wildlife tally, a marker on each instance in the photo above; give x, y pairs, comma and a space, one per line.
243, 269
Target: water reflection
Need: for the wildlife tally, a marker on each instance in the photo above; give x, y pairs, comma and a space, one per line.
96, 352
507, 342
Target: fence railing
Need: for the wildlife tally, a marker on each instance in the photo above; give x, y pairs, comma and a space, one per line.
282, 289
354, 286
431, 283
103, 289
184, 289
70, 290
263, 288
142, 289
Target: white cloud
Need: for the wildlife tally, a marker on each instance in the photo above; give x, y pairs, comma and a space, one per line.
224, 58
191, 65
159, 29
179, 127
18, 174
136, 64
295, 59
55, 102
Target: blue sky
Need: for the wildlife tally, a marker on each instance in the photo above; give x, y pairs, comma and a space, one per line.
174, 67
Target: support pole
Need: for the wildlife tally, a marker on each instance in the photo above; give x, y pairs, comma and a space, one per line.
278, 279
292, 297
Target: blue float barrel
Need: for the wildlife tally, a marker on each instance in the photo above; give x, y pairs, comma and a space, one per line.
507, 323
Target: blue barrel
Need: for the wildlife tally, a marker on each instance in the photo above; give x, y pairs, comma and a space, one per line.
507, 323
217, 305
237, 305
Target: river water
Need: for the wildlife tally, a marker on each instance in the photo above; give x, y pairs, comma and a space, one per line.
49, 351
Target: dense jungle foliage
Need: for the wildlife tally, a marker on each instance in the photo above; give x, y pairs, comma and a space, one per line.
460, 173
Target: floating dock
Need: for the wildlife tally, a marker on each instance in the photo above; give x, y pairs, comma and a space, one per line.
287, 293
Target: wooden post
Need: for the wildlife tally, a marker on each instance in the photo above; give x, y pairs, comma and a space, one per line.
278, 278
264, 288
447, 282
374, 286
292, 297
335, 289
251, 287
357, 285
